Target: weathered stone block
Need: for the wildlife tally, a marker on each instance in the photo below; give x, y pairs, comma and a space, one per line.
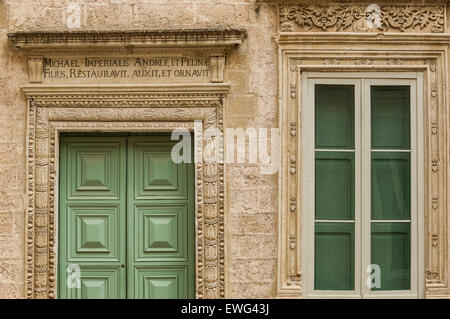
252, 271
253, 246
241, 105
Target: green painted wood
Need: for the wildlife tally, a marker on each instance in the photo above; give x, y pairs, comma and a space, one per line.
334, 266
334, 116
160, 221
391, 250
126, 218
92, 216
391, 185
335, 186
390, 110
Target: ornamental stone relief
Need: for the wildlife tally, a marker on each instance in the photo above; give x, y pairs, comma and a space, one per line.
362, 18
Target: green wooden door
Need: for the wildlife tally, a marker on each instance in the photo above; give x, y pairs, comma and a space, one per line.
126, 219
160, 221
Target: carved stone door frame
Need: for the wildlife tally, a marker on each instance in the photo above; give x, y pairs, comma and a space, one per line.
364, 52
120, 108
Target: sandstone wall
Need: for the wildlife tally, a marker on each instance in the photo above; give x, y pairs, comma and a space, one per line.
251, 207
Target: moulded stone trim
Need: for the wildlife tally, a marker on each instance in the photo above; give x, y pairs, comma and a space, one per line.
128, 38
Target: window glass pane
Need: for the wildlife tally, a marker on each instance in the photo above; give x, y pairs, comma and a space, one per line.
334, 256
391, 186
390, 107
334, 116
335, 186
391, 250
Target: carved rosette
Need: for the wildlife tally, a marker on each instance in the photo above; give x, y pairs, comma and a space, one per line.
362, 18
50, 114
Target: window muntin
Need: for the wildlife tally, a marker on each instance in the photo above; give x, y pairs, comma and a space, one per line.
370, 178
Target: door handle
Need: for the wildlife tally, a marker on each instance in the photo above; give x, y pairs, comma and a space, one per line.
123, 266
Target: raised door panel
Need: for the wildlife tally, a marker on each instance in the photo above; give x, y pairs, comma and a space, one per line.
161, 232
161, 282
93, 232
156, 175
93, 169
98, 283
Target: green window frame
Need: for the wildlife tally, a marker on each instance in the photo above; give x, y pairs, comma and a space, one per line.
362, 184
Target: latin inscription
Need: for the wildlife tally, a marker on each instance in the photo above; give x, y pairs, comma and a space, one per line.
127, 69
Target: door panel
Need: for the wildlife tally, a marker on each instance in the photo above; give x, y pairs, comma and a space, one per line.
92, 230
156, 175
99, 283
93, 168
160, 220
161, 232
92, 216
162, 282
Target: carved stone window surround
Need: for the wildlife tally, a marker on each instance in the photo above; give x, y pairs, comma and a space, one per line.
117, 108
386, 52
362, 16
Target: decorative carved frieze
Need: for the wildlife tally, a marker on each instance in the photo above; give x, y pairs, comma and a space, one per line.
356, 17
